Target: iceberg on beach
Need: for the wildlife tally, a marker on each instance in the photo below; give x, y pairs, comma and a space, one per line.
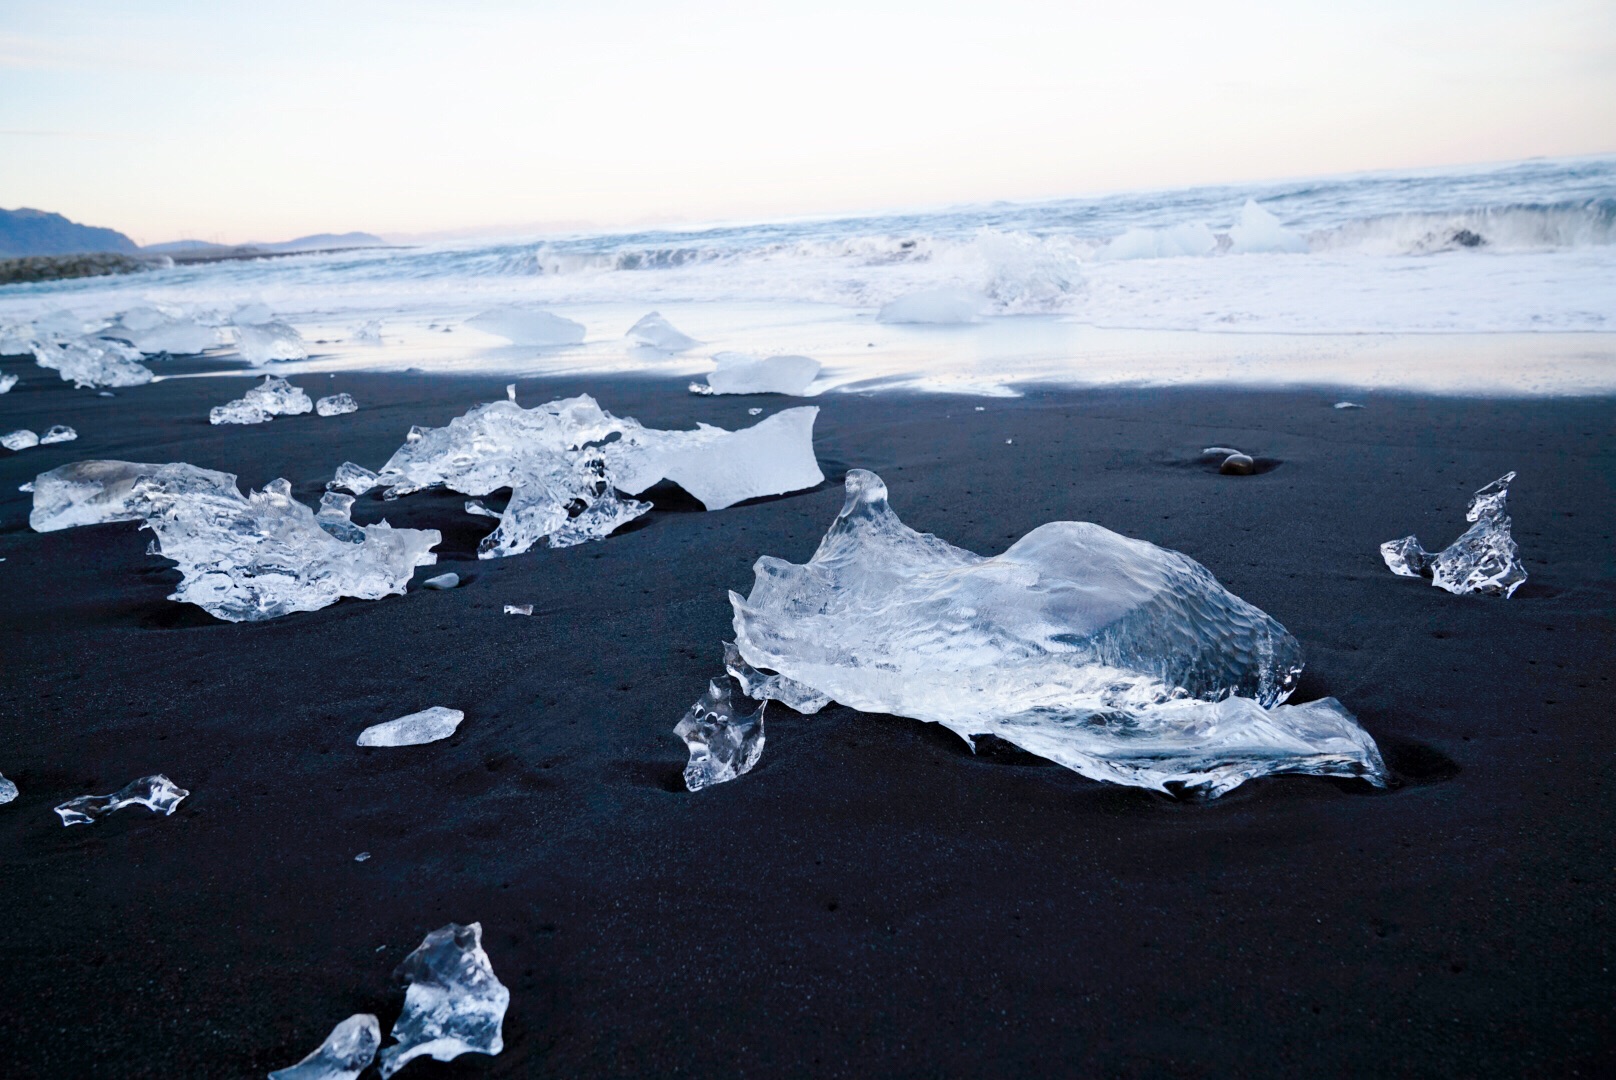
1191, 238
1483, 560
936, 306
528, 326
156, 793
739, 373
1259, 231
1121, 660
454, 1004
241, 558
270, 398
653, 331
90, 363
346, 1052
722, 744
428, 725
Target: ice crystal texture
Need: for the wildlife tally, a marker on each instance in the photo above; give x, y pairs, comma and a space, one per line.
336, 405
739, 373
453, 1005
722, 744
1121, 660
1483, 560
658, 333
355, 478
156, 793
263, 342
87, 363
528, 326
241, 558
272, 397
8, 790
346, 1052
428, 725
58, 433
21, 439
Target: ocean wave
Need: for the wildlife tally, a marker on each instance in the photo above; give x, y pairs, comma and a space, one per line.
1513, 228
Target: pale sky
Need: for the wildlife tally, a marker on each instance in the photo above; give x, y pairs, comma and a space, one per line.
240, 121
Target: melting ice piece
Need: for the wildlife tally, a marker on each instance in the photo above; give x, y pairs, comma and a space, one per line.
658, 333
528, 326
93, 492
454, 1003
937, 306
1260, 231
1118, 659
428, 725
1348, 405
237, 412
263, 342
272, 397
252, 313
58, 433
721, 468
151, 330
8, 790
21, 439
771, 685
739, 373
1483, 560
156, 793
335, 516
518, 609
754, 411
6, 383
442, 581
336, 405
346, 1052
722, 744
356, 478
86, 363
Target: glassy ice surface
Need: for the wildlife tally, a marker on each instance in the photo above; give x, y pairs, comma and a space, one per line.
658, 333
8, 790
453, 1005
938, 306
739, 373
237, 412
528, 326
722, 744
335, 516
442, 581
6, 383
241, 558
264, 342
355, 478
156, 793
272, 397
346, 1052
58, 433
88, 364
1483, 560
772, 685
336, 405
428, 725
518, 609
21, 439
1121, 660
718, 467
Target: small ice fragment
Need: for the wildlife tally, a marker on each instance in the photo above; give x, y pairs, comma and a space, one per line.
475, 508
8, 790
657, 333
518, 609
428, 725
1009, 442
336, 405
157, 793
260, 343
454, 1003
6, 383
362, 856
1348, 405
1260, 232
29, 486
21, 439
1238, 465
58, 433
528, 326
510, 391
936, 306
981, 408
105, 393
355, 478
754, 410
368, 334
346, 1052
1483, 560
722, 744
739, 373
442, 581
237, 412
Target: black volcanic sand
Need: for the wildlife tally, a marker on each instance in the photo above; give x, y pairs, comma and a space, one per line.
873, 899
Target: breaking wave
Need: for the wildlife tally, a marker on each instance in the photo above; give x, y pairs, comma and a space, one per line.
1521, 227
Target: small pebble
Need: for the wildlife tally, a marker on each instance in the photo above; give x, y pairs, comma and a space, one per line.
362, 856
442, 581
518, 609
753, 411
1237, 465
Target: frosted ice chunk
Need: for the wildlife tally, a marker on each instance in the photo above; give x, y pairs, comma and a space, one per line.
722, 745
346, 1052
442, 581
754, 411
356, 478
939, 306
6, 383
528, 326
93, 492
658, 333
1118, 659
1483, 560
156, 793
336, 405
89, 364
739, 373
58, 433
454, 1003
1191, 238
721, 468
260, 343
8, 790
21, 439
428, 725
151, 330
1260, 231
518, 609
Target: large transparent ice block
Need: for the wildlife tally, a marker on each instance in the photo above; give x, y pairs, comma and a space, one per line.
1483, 560
454, 1004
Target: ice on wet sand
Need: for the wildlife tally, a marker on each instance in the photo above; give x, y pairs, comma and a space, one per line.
657, 333
528, 326
739, 373
722, 743
453, 1005
90, 364
272, 397
21, 439
153, 330
268, 341
8, 790
336, 405
156, 793
428, 725
346, 1052
6, 383
1483, 560
442, 581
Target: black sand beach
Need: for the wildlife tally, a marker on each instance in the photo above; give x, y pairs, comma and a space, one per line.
872, 900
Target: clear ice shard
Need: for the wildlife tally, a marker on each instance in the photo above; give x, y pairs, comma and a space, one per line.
1483, 560
518, 609
58, 433
658, 333
721, 468
771, 686
336, 405
739, 373
241, 558
450, 580
355, 478
8, 790
722, 744
21, 439
86, 363
335, 516
528, 326
941, 307
1121, 660
156, 793
263, 342
272, 397
346, 1052
428, 725
453, 1005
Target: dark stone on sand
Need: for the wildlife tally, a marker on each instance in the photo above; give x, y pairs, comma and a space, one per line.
1238, 465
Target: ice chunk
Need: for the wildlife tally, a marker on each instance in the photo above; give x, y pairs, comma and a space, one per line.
1483, 560
336, 405
454, 1003
58, 433
335, 516
346, 1052
739, 373
1238, 465
156, 793
237, 412
771, 685
442, 581
93, 492
754, 411
260, 343
428, 725
568, 504
272, 397
518, 609
658, 333
368, 334
253, 313
89, 364
528, 326
27, 487
21, 439
6, 383
1260, 231
722, 745
1191, 238
1348, 405
8, 790
356, 478
510, 391
475, 508
152, 330
721, 468
1118, 659
939, 306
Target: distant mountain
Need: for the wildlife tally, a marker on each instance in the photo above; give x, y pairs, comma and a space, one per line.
317, 242
175, 246
38, 232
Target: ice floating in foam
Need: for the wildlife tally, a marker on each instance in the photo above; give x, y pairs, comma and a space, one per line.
1259, 231
241, 558
336, 405
252, 313
346, 1052
656, 332
739, 373
270, 398
1483, 560
937, 306
416, 729
93, 363
1121, 660
156, 793
1192, 238
454, 1004
723, 744
528, 326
